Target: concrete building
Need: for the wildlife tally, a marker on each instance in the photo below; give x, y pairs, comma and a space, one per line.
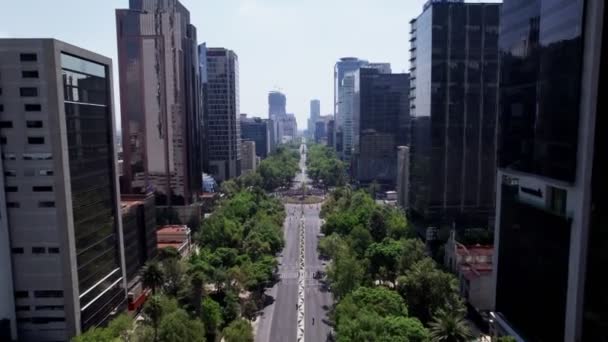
222, 125
551, 195
249, 160
343, 66
177, 236
382, 122
454, 80
60, 199
161, 102
403, 176
473, 267
258, 130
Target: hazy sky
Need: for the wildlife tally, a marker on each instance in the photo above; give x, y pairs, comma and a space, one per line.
291, 45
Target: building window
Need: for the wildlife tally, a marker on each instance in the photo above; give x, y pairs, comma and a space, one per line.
17, 250
53, 250
35, 140
48, 294
29, 73
47, 320
13, 205
1, 108
38, 250
45, 172
2, 140
37, 156
6, 124
33, 124
28, 57
11, 189
10, 173
48, 307
22, 308
9, 156
22, 294
46, 204
33, 107
40, 188
28, 92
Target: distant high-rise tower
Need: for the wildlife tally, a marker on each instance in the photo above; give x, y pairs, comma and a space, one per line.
315, 113
454, 80
551, 239
161, 100
223, 130
276, 105
344, 65
63, 265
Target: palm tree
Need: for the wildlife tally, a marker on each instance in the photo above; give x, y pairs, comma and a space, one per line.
152, 276
449, 327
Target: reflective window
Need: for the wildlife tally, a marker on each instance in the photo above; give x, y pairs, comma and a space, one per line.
28, 57
28, 92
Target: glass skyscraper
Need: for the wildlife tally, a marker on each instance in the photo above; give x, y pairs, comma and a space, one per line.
453, 92
551, 236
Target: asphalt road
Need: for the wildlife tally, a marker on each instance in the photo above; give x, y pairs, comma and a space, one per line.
279, 320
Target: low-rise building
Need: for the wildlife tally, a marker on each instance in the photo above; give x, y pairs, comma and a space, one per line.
473, 267
138, 214
178, 236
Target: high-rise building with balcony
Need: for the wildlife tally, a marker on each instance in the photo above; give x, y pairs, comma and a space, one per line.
161, 100
222, 126
61, 252
381, 123
550, 235
454, 83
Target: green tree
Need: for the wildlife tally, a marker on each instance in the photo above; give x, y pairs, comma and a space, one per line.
412, 251
428, 289
174, 271
345, 273
449, 327
506, 339
211, 316
169, 252
377, 299
384, 256
359, 239
238, 330
152, 276
153, 312
229, 187
178, 327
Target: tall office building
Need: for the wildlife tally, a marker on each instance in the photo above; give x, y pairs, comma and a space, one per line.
344, 65
161, 103
59, 186
315, 113
551, 235
257, 130
381, 123
222, 114
276, 104
454, 80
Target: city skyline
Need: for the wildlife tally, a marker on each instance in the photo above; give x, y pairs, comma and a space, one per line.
252, 34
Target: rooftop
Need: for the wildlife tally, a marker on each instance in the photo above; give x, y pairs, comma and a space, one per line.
171, 229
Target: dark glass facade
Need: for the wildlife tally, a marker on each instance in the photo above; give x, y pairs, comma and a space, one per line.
257, 130
382, 111
541, 57
91, 151
454, 82
139, 230
532, 266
